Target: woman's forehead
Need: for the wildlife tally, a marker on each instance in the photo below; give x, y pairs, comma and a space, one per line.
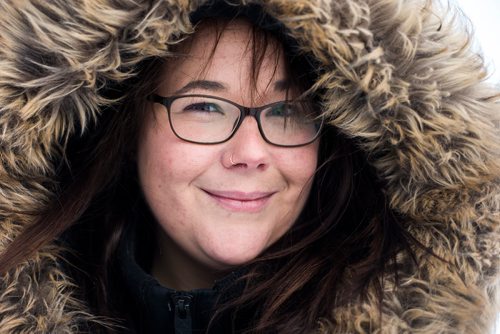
231, 56
209, 35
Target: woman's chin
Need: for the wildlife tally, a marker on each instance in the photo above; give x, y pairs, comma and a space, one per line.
233, 254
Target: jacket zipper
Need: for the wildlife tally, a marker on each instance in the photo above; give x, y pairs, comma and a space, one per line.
183, 323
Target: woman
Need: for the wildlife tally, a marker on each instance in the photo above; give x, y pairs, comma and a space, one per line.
264, 166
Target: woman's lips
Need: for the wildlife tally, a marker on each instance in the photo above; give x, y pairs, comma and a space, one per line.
239, 201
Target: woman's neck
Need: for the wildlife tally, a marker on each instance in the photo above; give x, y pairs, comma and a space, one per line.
176, 269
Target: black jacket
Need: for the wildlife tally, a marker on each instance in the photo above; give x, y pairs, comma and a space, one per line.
148, 307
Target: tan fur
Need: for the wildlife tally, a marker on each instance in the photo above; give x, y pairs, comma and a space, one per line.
400, 80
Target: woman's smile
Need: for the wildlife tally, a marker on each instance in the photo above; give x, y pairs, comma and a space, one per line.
240, 201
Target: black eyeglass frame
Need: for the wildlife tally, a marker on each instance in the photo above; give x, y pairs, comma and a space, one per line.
167, 101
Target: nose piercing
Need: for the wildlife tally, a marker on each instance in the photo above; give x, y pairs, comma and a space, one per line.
231, 160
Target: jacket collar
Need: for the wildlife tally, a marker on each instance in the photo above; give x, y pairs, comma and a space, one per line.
153, 308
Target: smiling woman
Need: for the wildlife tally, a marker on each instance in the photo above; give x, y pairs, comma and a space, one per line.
214, 166
246, 192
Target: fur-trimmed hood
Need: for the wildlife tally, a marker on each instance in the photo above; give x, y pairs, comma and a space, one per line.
399, 79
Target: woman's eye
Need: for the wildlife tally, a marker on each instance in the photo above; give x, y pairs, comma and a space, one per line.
204, 107
282, 110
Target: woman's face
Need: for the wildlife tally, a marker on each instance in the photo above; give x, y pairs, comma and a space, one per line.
223, 204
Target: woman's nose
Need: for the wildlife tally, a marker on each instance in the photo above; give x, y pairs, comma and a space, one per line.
247, 149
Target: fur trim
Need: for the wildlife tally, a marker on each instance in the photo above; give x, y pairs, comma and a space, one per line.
399, 79
38, 298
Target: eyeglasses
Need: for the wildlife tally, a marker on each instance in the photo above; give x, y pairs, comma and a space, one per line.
205, 119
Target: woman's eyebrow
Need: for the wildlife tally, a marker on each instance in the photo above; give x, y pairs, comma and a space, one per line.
281, 85
202, 84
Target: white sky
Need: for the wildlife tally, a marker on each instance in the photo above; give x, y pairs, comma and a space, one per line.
485, 17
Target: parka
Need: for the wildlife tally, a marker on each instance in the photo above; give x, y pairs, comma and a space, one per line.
398, 78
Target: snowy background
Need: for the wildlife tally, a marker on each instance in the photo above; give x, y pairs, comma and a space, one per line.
485, 17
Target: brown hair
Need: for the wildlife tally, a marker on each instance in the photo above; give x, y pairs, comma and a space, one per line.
346, 227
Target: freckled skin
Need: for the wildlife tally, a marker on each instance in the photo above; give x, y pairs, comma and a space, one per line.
174, 173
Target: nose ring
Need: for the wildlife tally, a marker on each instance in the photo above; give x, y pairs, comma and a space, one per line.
231, 160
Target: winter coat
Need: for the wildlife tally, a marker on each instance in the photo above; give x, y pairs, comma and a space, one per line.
399, 79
